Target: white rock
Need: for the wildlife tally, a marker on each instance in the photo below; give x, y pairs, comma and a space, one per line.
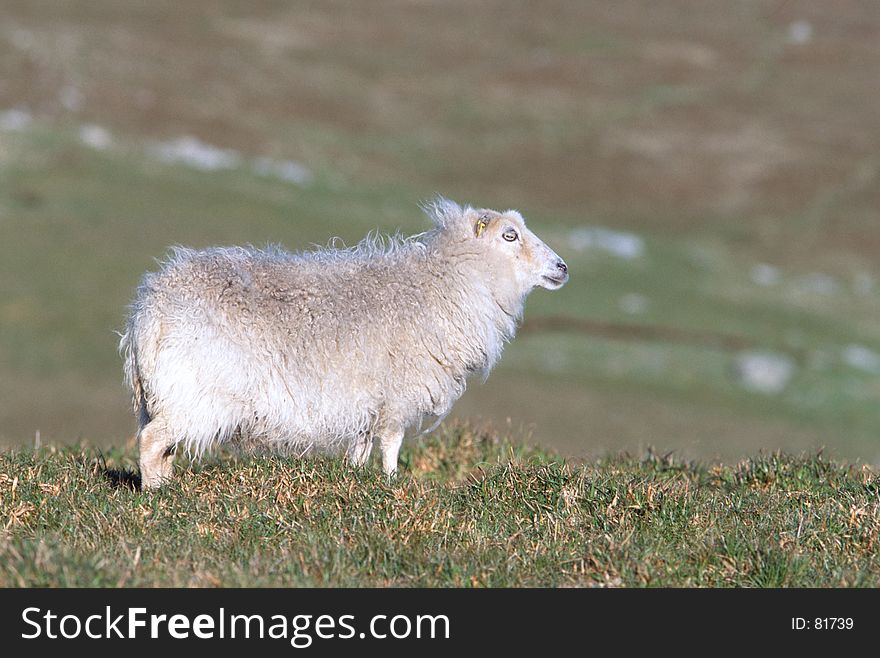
556, 361
286, 170
702, 257
861, 358
194, 153
617, 243
95, 137
863, 284
765, 275
800, 32
764, 372
15, 120
634, 303
22, 39
71, 98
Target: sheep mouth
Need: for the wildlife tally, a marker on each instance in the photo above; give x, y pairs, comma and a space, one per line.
556, 282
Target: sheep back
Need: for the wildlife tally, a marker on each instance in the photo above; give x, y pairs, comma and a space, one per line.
307, 351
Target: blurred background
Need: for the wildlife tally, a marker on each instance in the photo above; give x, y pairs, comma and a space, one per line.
709, 170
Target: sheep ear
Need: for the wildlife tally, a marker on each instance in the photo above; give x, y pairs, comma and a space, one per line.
481, 224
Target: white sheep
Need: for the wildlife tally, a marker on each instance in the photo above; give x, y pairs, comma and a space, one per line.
330, 349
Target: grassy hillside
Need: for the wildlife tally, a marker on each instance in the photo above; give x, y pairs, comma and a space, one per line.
469, 509
711, 139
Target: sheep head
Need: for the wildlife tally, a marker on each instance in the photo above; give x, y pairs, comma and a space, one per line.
504, 244
514, 252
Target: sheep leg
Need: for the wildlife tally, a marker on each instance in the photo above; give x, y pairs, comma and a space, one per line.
156, 450
389, 443
359, 451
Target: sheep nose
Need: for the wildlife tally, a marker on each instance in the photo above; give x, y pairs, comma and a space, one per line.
562, 267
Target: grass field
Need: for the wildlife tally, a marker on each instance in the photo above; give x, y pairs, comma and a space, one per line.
469, 510
735, 145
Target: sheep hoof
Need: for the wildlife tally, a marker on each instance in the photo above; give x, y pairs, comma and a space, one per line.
358, 453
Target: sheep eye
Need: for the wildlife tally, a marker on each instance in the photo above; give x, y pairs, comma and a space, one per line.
509, 235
